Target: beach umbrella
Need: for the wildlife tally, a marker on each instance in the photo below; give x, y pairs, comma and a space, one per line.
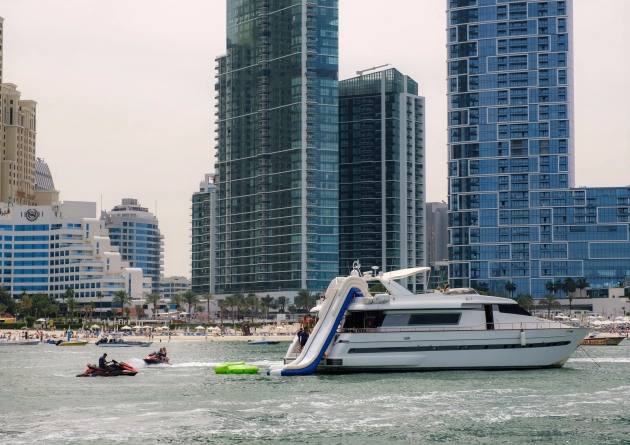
137, 327
95, 327
41, 320
199, 328
125, 328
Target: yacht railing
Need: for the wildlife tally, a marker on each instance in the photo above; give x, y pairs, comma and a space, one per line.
479, 327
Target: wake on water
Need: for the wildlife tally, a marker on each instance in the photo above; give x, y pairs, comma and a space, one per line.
139, 363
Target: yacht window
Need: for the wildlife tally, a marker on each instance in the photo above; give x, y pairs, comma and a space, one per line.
513, 309
425, 319
396, 320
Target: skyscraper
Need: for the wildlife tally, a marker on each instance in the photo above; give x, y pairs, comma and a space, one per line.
277, 148
203, 239
381, 171
135, 231
514, 212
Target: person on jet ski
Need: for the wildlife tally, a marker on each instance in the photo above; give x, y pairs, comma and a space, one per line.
102, 362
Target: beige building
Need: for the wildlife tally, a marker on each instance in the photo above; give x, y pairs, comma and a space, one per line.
1, 37
18, 129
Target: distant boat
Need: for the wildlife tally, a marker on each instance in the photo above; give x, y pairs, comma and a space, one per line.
73, 343
597, 340
117, 342
4, 342
262, 342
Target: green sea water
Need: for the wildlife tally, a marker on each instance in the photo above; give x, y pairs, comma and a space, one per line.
586, 402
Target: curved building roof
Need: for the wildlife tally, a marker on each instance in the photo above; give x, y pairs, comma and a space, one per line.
43, 177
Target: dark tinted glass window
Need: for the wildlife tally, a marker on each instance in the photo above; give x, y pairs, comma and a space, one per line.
513, 309
424, 319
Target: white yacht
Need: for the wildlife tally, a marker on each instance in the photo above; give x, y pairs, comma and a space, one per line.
401, 331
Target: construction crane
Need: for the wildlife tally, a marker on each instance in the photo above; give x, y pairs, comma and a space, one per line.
360, 73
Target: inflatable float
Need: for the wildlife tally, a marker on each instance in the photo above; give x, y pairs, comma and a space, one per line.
235, 368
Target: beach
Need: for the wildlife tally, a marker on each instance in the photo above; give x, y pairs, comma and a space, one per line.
176, 337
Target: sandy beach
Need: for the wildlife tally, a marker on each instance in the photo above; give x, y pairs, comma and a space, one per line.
161, 338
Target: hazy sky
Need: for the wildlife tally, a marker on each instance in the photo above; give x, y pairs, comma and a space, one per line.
125, 92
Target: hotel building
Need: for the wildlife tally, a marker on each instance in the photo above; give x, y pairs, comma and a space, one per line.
47, 249
134, 230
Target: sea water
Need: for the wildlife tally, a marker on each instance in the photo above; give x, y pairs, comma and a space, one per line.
586, 402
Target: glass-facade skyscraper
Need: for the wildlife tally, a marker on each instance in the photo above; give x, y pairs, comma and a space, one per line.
203, 235
381, 172
514, 212
277, 147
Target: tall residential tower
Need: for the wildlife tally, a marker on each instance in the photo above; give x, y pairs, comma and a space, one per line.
381, 171
277, 149
514, 212
203, 236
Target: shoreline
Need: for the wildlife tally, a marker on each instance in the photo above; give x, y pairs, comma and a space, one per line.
58, 335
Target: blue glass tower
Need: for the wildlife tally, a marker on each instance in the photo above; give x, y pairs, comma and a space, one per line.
514, 212
277, 148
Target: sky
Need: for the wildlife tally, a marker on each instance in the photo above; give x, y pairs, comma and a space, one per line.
125, 92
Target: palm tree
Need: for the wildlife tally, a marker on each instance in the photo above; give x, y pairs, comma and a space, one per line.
53, 309
525, 301
92, 306
69, 293
191, 299
139, 311
208, 297
72, 305
510, 287
549, 301
154, 299
99, 295
3, 309
282, 302
121, 297
266, 302
177, 300
581, 284
483, 288
86, 311
252, 302
232, 302
553, 286
26, 303
301, 301
223, 305
127, 312
569, 286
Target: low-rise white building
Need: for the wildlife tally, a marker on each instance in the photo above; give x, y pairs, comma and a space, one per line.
47, 249
174, 285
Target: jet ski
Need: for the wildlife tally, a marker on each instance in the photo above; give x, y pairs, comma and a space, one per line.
115, 369
155, 359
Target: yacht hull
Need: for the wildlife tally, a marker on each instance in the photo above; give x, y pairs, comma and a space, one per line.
451, 350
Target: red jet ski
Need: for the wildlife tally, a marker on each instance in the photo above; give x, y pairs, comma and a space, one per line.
155, 359
114, 369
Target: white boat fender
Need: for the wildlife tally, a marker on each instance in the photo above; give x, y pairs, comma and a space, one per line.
523, 338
